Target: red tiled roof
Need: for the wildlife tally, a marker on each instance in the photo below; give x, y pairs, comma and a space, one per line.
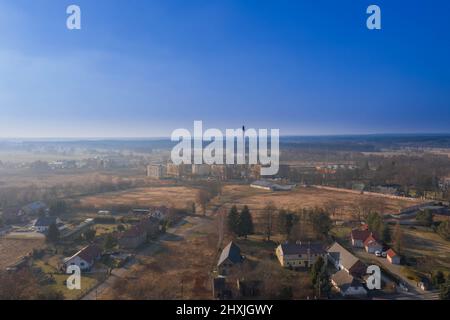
391, 253
370, 240
360, 234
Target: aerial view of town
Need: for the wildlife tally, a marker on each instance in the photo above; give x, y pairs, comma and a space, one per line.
115, 184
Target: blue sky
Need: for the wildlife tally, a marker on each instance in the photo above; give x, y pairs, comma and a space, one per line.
144, 68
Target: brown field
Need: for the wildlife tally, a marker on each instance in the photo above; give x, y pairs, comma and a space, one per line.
176, 196
12, 250
303, 198
429, 247
175, 267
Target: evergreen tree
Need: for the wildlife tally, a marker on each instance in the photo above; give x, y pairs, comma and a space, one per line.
385, 233
245, 223
320, 278
438, 279
53, 233
232, 220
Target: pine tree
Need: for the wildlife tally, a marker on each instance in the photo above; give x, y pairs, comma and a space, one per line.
232, 220
245, 223
53, 233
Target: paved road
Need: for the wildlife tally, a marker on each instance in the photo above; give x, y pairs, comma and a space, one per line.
181, 230
414, 292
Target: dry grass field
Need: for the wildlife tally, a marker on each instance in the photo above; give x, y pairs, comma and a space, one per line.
175, 267
176, 196
429, 247
11, 250
303, 198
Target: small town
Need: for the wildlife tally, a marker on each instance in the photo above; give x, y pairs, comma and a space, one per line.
278, 238
224, 159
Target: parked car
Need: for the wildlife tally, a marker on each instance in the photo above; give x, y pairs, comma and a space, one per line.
403, 287
384, 254
378, 253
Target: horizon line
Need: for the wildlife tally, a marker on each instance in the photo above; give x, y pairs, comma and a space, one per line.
99, 138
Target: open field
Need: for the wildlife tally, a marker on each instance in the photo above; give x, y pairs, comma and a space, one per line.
429, 248
11, 250
303, 198
176, 266
142, 197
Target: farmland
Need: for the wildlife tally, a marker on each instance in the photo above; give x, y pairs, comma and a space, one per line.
304, 198
12, 250
176, 196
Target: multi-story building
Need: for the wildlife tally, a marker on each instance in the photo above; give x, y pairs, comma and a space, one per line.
201, 169
220, 171
299, 255
156, 171
178, 171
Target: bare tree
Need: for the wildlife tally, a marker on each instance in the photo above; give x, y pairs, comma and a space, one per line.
203, 198
268, 217
331, 206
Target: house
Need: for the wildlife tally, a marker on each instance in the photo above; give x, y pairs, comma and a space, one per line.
85, 258
393, 257
347, 285
372, 245
269, 186
358, 237
344, 260
299, 254
42, 224
230, 257
138, 234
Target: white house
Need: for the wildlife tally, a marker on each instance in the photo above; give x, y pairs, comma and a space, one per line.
42, 224
85, 258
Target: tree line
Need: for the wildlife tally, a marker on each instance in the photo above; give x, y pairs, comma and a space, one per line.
294, 225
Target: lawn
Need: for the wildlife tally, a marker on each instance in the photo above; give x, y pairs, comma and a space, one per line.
87, 283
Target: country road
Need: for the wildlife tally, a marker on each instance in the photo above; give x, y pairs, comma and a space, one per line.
414, 292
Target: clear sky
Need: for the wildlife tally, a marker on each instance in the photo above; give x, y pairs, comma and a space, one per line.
144, 68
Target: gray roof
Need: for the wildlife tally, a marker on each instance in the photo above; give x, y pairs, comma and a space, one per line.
231, 252
45, 221
295, 248
343, 280
342, 256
